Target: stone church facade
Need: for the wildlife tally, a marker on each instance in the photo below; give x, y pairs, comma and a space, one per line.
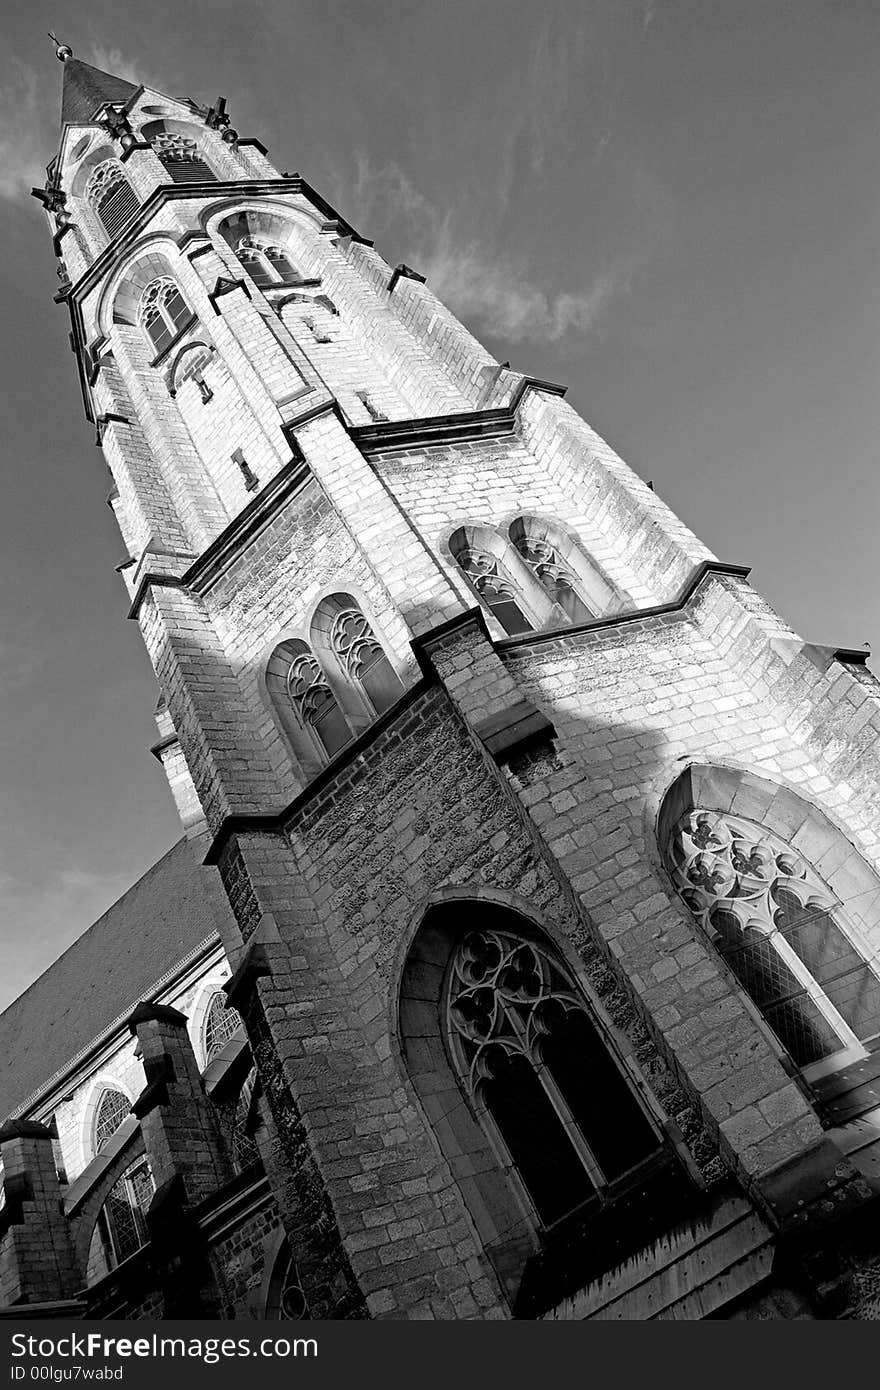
535, 857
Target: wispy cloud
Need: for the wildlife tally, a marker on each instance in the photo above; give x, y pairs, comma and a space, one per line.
497, 293
26, 139
492, 289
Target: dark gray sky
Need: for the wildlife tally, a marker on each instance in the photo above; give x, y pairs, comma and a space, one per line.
671, 205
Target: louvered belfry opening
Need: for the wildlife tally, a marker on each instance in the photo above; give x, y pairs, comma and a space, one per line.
181, 158
112, 197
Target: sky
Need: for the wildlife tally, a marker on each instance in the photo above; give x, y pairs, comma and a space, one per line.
672, 206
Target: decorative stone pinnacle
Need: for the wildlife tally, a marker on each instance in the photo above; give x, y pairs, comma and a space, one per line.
63, 51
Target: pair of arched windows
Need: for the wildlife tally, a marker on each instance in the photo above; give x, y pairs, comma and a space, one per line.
268, 264
163, 313
332, 688
535, 576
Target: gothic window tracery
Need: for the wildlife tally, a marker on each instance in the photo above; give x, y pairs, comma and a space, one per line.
113, 1107
286, 1300
492, 582
163, 313
777, 925
539, 1074
181, 156
267, 262
122, 1219
341, 627
538, 548
111, 196
221, 1024
297, 683
244, 1148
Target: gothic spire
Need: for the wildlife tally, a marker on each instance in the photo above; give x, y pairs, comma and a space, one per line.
86, 88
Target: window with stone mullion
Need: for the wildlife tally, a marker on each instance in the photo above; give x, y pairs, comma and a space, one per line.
776, 924
541, 1076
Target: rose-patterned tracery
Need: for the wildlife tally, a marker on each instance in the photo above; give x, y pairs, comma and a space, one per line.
268, 263
348, 644
312, 696
494, 586
554, 574
163, 313
534, 1064
181, 156
297, 683
774, 920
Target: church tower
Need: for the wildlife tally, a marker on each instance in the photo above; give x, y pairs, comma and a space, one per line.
552, 851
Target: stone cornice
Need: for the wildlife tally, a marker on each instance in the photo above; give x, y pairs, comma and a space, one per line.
458, 428
629, 615
147, 580
238, 534
234, 538
271, 822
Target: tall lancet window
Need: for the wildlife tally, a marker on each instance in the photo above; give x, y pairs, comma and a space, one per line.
267, 263
493, 583
539, 1074
540, 549
112, 197
113, 1107
779, 928
221, 1024
340, 627
181, 157
163, 313
303, 698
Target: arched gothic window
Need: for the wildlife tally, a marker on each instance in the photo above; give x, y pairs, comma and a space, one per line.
298, 686
341, 628
112, 197
112, 1109
490, 579
122, 1220
181, 157
286, 1301
268, 264
541, 552
221, 1023
163, 313
538, 1073
778, 927
244, 1149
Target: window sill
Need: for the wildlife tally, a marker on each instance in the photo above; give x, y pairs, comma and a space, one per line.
843, 1095
599, 1236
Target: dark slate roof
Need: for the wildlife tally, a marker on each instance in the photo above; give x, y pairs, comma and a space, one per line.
86, 88
174, 908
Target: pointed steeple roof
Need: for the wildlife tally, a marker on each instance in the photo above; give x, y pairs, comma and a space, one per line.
86, 88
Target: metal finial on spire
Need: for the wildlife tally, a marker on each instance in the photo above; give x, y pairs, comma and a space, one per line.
63, 51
